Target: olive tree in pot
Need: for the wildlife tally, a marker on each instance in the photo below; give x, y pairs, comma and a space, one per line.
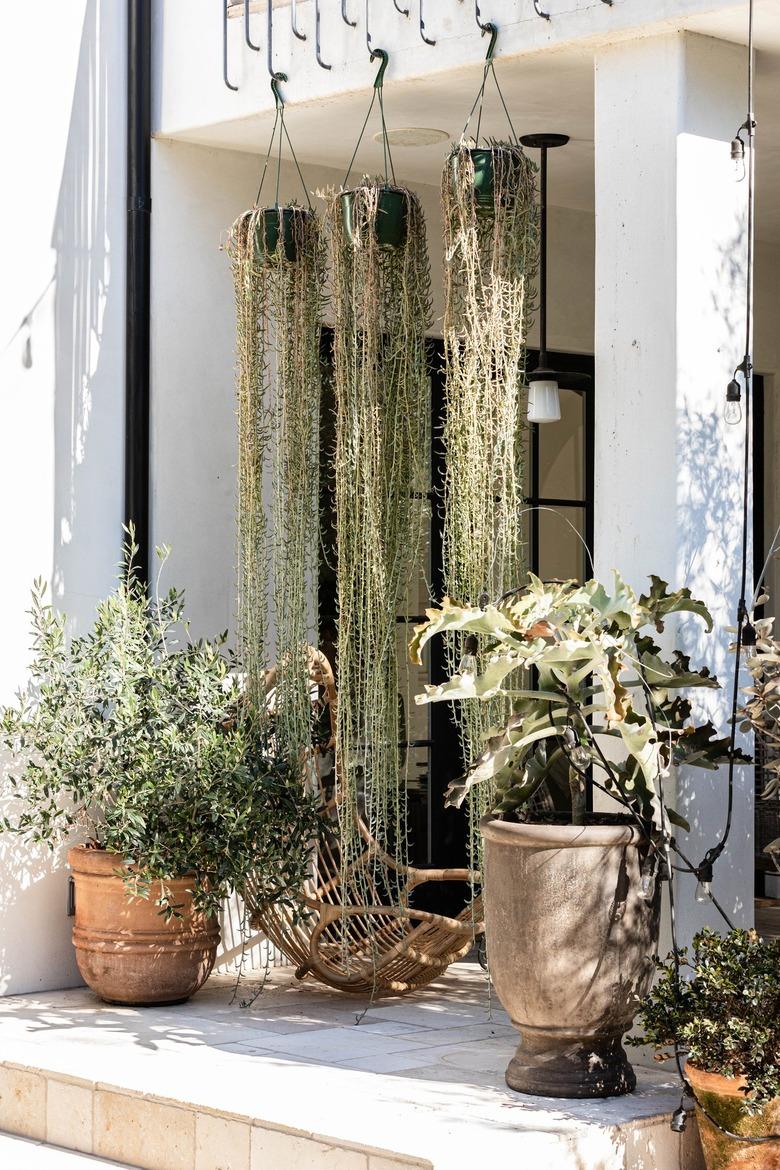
135, 740
571, 898
723, 1012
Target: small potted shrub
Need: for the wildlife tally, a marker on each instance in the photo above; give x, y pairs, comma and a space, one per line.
135, 740
571, 897
724, 1014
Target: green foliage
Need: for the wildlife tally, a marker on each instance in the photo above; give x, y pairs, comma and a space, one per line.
133, 738
600, 676
761, 711
726, 1016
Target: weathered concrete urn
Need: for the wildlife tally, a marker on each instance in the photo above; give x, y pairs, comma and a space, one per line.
570, 943
126, 951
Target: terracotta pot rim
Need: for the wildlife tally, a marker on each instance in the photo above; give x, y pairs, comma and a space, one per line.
710, 1082
528, 835
105, 862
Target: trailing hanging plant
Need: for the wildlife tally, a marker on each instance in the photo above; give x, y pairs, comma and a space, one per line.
278, 261
490, 233
381, 308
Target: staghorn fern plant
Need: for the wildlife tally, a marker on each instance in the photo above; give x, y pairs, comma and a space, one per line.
602, 680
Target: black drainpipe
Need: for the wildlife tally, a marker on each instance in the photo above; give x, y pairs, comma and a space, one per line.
137, 308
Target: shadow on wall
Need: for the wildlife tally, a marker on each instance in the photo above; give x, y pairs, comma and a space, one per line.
89, 324
710, 480
88, 238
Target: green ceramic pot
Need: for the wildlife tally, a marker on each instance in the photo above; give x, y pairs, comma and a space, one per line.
390, 220
279, 223
483, 180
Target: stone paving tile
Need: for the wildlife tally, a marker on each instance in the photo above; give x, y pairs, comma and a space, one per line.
18, 1153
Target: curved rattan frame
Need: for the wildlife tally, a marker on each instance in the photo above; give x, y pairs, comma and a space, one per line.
334, 934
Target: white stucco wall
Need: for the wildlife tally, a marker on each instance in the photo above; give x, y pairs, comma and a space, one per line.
61, 388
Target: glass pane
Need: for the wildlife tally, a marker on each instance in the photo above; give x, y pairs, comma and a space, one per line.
561, 451
561, 549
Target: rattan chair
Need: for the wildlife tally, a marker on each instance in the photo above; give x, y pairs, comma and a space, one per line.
346, 932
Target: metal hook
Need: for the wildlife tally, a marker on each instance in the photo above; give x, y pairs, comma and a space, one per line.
276, 78
274, 75
493, 30
247, 37
427, 40
403, 11
380, 77
317, 23
344, 17
544, 15
294, 21
225, 77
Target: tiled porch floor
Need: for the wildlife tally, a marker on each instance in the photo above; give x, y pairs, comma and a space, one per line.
306, 1079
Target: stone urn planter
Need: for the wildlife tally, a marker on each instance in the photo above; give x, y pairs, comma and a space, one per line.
570, 942
126, 950
724, 1100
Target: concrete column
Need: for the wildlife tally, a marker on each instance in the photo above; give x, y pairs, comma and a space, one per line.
670, 303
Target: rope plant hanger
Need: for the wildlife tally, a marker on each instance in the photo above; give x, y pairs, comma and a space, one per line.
491, 249
278, 261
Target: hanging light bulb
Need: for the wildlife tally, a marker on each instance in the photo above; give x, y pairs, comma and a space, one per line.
733, 411
544, 401
704, 874
647, 877
468, 663
578, 754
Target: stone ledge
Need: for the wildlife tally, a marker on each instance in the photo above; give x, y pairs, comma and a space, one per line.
293, 1083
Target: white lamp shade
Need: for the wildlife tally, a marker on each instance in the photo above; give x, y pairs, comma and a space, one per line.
544, 403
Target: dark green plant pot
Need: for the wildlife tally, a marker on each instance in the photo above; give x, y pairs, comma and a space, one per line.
391, 217
277, 223
484, 181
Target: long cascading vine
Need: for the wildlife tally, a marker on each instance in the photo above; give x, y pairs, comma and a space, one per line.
296, 297
279, 290
491, 252
254, 433
381, 303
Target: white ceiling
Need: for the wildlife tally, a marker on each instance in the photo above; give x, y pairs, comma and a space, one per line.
546, 92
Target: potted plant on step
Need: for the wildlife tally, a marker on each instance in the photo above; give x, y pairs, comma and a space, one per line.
725, 1016
571, 897
134, 739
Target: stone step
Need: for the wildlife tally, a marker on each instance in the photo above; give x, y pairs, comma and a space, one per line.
18, 1153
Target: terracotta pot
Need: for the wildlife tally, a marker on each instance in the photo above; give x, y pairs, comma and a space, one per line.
570, 944
125, 949
724, 1100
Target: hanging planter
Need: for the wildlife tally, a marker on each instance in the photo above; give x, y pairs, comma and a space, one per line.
287, 224
490, 262
390, 222
278, 261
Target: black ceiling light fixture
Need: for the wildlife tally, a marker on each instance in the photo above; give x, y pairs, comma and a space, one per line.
544, 383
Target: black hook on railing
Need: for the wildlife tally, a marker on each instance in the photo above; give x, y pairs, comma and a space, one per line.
225, 77
546, 15
247, 37
294, 21
317, 26
379, 80
344, 17
427, 39
275, 76
403, 11
493, 30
